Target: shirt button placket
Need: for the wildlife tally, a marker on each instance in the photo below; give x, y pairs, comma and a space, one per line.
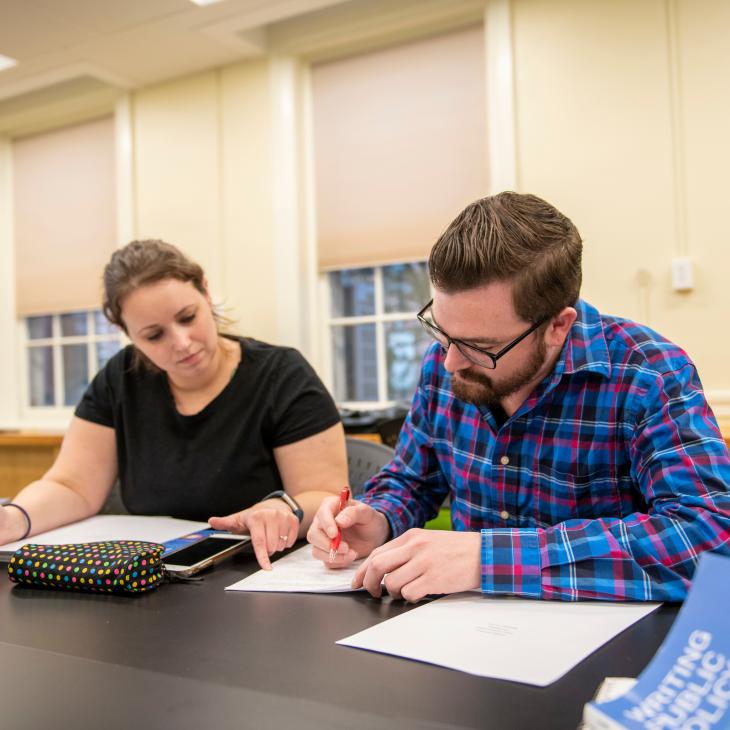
504, 461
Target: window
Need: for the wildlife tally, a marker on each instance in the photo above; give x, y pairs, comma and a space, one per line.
63, 352
376, 342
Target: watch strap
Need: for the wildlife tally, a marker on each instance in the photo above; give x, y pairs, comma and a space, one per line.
288, 500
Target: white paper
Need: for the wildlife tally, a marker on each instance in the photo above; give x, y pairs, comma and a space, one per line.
299, 572
535, 642
609, 689
112, 527
613, 687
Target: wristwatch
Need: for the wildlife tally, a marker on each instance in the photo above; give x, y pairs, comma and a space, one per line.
289, 501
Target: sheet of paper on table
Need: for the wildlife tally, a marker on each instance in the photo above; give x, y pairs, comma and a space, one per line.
111, 527
298, 572
529, 641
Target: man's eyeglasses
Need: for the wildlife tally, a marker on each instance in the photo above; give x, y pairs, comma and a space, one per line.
477, 355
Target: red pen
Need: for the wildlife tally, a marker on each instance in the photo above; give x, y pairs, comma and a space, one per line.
344, 498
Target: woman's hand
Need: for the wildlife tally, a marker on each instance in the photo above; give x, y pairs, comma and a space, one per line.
12, 524
272, 525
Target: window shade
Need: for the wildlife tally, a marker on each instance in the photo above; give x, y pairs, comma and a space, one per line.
400, 147
64, 216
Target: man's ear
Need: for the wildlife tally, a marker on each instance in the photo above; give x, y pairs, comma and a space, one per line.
559, 326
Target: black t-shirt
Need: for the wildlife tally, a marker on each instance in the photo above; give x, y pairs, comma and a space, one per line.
221, 459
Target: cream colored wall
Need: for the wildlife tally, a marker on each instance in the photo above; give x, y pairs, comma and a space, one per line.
702, 323
620, 117
622, 114
210, 177
177, 167
248, 274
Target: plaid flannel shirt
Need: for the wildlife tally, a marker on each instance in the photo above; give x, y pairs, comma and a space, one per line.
607, 482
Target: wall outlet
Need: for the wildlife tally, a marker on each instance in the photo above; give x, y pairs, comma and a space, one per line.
682, 277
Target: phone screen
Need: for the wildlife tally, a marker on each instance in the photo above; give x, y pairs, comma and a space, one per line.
203, 550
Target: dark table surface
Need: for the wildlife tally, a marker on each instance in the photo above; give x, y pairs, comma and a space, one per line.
193, 656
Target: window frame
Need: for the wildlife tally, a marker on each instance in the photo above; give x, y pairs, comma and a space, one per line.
379, 318
59, 413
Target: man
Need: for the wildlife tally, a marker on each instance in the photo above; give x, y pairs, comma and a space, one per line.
578, 449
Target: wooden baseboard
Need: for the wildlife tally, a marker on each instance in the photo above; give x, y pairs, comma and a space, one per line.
24, 457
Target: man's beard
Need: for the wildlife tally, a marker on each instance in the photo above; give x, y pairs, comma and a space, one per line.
477, 388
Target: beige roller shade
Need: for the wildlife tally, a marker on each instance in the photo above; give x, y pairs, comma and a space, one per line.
400, 147
64, 216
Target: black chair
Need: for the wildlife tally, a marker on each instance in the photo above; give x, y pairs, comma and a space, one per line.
389, 430
365, 458
114, 504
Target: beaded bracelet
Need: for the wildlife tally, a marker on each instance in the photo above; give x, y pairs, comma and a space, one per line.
25, 514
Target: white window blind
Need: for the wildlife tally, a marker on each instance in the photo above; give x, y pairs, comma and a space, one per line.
64, 216
400, 147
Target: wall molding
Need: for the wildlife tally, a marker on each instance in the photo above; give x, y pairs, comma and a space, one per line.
315, 344
499, 59
69, 95
124, 159
350, 28
285, 207
9, 375
676, 121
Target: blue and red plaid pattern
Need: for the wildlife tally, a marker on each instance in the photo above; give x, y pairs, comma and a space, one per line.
607, 483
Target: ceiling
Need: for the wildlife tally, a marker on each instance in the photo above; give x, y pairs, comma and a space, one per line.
75, 57
132, 43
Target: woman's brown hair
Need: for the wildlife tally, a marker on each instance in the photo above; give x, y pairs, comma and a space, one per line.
138, 264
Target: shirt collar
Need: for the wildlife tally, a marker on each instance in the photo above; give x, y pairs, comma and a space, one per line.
585, 347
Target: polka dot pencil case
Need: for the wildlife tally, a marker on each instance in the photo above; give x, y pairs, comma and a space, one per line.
119, 566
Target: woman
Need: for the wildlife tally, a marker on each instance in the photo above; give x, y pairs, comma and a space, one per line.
192, 422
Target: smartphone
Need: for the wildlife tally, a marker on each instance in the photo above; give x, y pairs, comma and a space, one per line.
200, 555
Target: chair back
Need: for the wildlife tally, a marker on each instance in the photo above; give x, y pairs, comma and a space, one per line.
389, 430
114, 504
365, 458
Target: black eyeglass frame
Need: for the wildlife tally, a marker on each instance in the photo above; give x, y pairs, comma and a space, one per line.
430, 327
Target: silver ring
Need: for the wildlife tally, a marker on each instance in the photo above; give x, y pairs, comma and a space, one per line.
284, 537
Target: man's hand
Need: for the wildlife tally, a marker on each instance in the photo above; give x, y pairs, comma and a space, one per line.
272, 525
363, 529
423, 562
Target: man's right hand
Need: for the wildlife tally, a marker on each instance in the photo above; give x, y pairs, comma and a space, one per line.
363, 529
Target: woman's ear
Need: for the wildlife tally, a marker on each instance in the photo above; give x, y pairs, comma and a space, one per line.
207, 291
560, 325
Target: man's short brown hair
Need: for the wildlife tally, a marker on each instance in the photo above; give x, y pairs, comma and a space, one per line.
517, 238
